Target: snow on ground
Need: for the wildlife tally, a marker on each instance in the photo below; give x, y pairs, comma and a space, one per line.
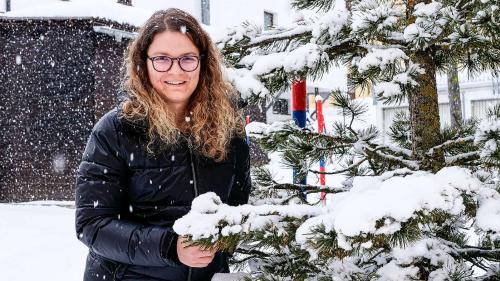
38, 242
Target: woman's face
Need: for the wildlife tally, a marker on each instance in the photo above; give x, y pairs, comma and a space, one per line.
175, 85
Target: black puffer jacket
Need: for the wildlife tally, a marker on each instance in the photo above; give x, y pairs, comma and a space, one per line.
127, 201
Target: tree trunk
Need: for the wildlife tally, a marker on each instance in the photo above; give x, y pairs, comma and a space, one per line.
454, 97
424, 113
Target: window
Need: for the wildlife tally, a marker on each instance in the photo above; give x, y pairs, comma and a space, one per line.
280, 106
205, 12
3, 5
268, 20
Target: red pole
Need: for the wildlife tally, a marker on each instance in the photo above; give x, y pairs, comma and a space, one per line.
321, 130
247, 121
299, 101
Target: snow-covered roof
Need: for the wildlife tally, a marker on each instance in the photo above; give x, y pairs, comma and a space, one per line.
81, 9
110, 10
106, 9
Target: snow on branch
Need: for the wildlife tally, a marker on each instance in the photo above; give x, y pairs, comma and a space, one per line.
376, 16
210, 218
295, 32
246, 83
380, 58
461, 158
328, 28
449, 143
355, 212
305, 56
429, 25
413, 165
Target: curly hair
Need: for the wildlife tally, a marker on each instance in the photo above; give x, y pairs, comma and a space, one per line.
215, 119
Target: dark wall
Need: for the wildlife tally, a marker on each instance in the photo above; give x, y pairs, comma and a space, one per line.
57, 77
5, 102
257, 113
108, 58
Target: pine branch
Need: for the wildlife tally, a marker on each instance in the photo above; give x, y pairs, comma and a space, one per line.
368, 261
289, 35
450, 143
307, 188
397, 151
345, 50
253, 252
348, 168
303, 195
476, 263
477, 252
313, 4
462, 159
457, 159
399, 161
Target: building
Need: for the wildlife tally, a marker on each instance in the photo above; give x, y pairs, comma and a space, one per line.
60, 64
57, 77
478, 93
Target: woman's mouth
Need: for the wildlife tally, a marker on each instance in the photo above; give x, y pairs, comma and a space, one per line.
175, 83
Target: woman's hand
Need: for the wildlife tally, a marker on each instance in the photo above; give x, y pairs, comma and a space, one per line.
193, 256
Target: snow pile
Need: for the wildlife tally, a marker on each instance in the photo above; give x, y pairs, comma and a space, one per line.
39, 242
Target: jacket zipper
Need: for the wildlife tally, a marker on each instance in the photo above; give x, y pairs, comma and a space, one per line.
190, 145
195, 187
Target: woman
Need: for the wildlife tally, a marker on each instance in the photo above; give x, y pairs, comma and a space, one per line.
177, 135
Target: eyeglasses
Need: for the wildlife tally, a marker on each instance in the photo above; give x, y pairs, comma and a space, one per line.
187, 63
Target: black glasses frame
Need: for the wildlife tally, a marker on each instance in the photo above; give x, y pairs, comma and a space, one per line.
178, 59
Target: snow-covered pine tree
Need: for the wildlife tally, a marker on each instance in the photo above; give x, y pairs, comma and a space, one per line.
426, 207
